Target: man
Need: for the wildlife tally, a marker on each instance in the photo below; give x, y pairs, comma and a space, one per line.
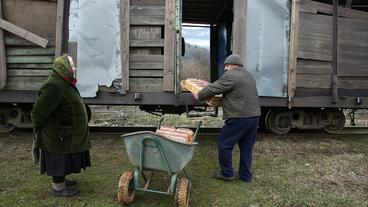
60, 120
241, 112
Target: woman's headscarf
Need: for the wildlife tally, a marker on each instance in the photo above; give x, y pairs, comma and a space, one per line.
64, 69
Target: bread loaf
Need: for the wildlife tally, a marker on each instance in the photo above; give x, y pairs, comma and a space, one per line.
181, 134
196, 85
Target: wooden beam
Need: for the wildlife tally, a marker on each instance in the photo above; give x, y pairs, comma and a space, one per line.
239, 34
2, 54
293, 50
124, 36
73, 51
335, 37
147, 43
348, 3
59, 27
169, 48
23, 33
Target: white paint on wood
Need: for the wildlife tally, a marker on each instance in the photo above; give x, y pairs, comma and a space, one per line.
95, 26
267, 44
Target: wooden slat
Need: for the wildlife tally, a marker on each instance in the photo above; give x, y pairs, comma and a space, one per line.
146, 51
239, 34
147, 65
313, 81
314, 49
147, 20
146, 73
315, 25
28, 73
308, 7
147, 10
147, 43
146, 58
147, 2
125, 45
145, 32
170, 46
352, 69
312, 92
59, 27
29, 59
25, 83
29, 66
16, 41
2, 54
315, 37
293, 50
353, 47
30, 51
327, 8
353, 82
146, 84
314, 67
21, 32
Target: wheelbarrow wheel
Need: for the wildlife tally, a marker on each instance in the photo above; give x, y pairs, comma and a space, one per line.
182, 193
126, 192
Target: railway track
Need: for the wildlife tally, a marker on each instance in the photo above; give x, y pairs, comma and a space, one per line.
204, 131
214, 131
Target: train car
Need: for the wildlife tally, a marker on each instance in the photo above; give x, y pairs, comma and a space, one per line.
310, 58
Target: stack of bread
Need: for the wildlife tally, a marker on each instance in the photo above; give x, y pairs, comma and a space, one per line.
196, 85
178, 134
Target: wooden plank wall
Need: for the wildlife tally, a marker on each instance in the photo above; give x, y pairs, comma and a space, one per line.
315, 49
146, 45
28, 65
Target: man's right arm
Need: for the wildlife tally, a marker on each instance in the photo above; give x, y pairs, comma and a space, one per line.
222, 85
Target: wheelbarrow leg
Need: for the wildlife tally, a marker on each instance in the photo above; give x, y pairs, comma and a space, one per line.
186, 174
173, 183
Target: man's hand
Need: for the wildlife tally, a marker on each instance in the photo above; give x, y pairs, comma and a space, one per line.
195, 95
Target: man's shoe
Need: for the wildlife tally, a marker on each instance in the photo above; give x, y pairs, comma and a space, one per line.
65, 193
70, 182
218, 175
245, 181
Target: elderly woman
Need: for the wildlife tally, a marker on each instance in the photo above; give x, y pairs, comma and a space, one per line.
61, 124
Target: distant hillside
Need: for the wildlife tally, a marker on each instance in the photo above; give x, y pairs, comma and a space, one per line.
196, 62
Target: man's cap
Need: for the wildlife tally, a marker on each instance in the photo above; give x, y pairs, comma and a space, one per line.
233, 59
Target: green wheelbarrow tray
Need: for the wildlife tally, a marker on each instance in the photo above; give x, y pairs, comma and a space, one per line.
177, 154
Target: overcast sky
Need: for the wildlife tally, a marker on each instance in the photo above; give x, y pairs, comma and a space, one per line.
197, 36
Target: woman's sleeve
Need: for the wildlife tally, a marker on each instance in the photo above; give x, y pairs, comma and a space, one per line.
49, 97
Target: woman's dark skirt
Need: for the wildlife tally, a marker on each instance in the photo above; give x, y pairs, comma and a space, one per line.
64, 164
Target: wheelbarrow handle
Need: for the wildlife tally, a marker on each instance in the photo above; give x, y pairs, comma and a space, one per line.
197, 129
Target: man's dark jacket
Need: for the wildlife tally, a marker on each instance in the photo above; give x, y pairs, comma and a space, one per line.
239, 94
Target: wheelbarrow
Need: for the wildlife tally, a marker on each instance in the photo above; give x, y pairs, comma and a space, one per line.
150, 152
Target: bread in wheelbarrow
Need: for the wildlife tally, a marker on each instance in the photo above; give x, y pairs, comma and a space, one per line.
181, 134
195, 85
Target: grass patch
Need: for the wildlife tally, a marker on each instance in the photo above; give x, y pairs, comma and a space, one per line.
310, 169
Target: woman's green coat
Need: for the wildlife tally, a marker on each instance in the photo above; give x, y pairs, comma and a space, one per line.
59, 116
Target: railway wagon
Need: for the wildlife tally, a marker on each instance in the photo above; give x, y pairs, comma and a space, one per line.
310, 58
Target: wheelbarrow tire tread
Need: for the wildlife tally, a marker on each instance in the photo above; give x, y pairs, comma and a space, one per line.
182, 193
126, 195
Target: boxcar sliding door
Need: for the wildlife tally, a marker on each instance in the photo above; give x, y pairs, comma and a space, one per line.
148, 45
